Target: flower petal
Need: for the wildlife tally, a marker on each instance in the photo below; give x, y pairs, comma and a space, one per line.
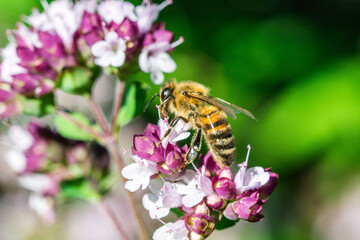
164, 62
131, 171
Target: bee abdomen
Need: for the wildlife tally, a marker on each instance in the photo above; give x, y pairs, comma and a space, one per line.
219, 137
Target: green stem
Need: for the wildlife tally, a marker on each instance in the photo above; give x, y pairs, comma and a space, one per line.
119, 89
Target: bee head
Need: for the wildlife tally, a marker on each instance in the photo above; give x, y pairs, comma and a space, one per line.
166, 92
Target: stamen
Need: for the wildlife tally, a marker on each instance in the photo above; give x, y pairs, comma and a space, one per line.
162, 178
164, 4
176, 43
160, 220
196, 169
247, 155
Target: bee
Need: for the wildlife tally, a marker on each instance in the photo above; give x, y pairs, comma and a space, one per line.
190, 101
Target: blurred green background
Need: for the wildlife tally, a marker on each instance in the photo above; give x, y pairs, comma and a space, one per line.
296, 66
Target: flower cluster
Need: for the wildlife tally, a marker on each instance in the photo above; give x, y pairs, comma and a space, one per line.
82, 35
43, 160
203, 197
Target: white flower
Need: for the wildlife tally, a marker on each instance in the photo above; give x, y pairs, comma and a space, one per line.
139, 173
63, 19
155, 60
110, 51
10, 61
116, 11
16, 160
195, 191
180, 132
247, 179
162, 200
175, 231
154, 204
147, 13
43, 206
36, 182
19, 140
31, 38
20, 137
58, 17
82, 6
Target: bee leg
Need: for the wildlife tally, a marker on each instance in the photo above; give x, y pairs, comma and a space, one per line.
171, 127
194, 148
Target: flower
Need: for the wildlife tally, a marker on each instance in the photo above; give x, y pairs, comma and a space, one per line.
195, 191
200, 223
178, 133
223, 184
44, 207
155, 60
10, 63
252, 178
110, 51
116, 11
247, 208
147, 13
154, 204
139, 173
175, 231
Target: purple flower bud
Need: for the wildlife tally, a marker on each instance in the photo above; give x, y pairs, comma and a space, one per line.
89, 32
25, 83
8, 105
200, 223
153, 132
53, 51
174, 160
269, 187
145, 148
127, 30
224, 187
247, 208
158, 34
215, 202
209, 163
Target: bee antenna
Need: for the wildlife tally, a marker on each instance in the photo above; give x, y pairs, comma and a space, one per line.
147, 105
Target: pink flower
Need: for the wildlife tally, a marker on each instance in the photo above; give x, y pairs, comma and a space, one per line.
223, 184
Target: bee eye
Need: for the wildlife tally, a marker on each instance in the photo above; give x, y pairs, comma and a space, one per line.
165, 93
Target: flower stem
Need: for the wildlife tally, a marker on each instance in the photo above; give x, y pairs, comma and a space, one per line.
111, 143
113, 218
119, 89
99, 116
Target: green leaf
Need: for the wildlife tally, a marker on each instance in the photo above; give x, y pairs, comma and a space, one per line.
69, 130
177, 212
133, 102
225, 223
77, 80
39, 106
79, 189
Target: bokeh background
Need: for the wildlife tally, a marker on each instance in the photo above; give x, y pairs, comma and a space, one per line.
296, 66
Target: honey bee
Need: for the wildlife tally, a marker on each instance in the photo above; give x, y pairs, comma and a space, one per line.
191, 102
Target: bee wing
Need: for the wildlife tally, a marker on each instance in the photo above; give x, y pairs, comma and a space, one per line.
229, 108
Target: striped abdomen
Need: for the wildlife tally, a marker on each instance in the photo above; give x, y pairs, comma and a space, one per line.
218, 135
